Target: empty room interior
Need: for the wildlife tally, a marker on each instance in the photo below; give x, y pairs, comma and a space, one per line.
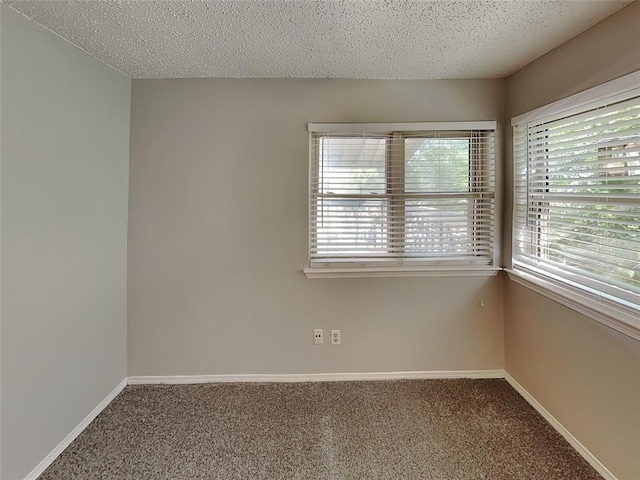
320, 239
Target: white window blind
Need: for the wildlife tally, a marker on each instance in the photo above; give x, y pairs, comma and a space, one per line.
577, 198
383, 195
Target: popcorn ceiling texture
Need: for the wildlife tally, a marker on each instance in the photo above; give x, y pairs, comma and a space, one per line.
376, 39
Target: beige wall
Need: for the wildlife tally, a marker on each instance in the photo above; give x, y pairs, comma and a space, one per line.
585, 374
218, 236
65, 157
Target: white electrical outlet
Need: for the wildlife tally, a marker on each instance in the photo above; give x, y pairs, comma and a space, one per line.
335, 337
317, 336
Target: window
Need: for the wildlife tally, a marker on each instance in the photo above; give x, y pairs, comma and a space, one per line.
577, 197
401, 196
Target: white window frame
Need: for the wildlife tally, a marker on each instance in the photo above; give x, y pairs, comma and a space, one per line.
578, 294
333, 269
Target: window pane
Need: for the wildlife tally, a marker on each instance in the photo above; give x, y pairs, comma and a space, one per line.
603, 240
437, 165
351, 227
438, 226
578, 209
391, 196
353, 165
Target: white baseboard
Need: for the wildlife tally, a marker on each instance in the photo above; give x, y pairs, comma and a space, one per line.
313, 377
575, 443
48, 460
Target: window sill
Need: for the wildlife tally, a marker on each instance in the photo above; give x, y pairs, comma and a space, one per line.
400, 271
618, 317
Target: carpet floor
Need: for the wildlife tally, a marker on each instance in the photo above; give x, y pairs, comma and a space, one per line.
409, 429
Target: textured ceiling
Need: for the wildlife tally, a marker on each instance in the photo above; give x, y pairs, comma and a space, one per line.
394, 39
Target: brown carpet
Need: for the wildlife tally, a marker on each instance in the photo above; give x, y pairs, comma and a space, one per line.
414, 429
